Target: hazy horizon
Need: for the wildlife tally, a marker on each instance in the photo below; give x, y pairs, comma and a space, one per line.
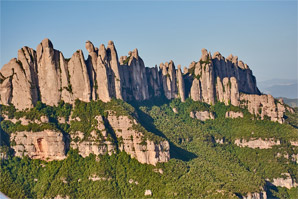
262, 34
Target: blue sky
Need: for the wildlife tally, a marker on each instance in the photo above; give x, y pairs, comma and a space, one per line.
262, 34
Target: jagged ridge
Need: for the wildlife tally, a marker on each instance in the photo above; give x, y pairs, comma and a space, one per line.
45, 75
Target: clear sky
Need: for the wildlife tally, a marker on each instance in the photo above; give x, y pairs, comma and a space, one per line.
262, 34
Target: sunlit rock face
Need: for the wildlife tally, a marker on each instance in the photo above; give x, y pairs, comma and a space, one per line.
45, 75
45, 145
135, 143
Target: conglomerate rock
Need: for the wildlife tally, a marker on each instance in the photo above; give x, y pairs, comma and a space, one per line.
47, 76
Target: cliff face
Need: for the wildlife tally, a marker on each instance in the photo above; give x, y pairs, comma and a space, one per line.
135, 143
47, 76
110, 134
44, 145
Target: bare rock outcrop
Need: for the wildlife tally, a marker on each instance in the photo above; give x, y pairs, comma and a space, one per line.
25, 121
232, 114
256, 195
48, 67
294, 143
285, 181
47, 76
201, 115
263, 105
136, 143
15, 88
102, 81
139, 84
169, 79
154, 82
181, 87
202, 88
257, 143
227, 91
79, 78
45, 145
148, 192
91, 63
96, 143
115, 82
231, 67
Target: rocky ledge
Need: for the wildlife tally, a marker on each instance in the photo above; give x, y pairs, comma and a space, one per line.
130, 137
45, 145
136, 143
257, 143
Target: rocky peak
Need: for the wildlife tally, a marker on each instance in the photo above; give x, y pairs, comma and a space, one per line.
102, 52
135, 53
217, 55
205, 54
235, 60
46, 43
89, 46
45, 75
230, 57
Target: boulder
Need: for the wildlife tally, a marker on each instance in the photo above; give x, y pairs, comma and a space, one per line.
148, 192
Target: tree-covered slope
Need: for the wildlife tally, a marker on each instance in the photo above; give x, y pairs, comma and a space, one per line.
205, 161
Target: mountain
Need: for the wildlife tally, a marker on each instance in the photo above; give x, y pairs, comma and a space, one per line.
287, 88
108, 127
291, 102
45, 75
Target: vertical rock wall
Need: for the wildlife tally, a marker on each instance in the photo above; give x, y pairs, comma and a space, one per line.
47, 76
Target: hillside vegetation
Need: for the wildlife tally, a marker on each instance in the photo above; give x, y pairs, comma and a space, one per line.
200, 166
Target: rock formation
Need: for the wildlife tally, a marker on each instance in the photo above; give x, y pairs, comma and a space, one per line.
201, 115
79, 78
134, 82
47, 76
285, 181
45, 145
108, 135
202, 88
180, 81
169, 80
92, 145
257, 143
260, 195
263, 105
136, 143
232, 114
96, 143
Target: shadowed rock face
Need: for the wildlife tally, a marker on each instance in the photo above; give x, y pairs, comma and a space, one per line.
47, 76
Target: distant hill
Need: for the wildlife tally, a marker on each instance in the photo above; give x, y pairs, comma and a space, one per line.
286, 88
291, 102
